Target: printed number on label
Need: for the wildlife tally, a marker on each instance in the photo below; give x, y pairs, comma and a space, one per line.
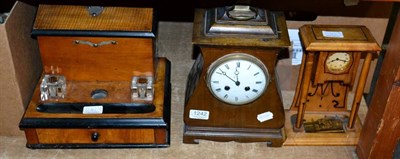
98, 109
199, 114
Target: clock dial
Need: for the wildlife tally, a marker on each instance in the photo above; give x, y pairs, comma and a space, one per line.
338, 62
237, 78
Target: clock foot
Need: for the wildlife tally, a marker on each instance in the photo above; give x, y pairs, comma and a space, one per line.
293, 122
190, 140
350, 129
273, 137
301, 129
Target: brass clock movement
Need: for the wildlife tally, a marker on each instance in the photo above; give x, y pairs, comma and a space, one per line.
232, 92
329, 69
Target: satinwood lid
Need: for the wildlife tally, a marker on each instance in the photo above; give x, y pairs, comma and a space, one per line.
79, 20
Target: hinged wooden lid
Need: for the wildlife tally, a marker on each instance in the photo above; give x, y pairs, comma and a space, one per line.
337, 38
77, 20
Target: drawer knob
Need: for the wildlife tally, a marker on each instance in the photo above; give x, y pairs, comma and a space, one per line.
95, 11
95, 136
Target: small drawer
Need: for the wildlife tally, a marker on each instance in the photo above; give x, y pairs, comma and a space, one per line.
93, 136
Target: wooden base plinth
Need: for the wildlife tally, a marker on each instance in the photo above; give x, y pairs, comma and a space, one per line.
273, 137
301, 138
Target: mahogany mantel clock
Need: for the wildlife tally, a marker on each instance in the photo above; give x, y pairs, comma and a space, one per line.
232, 92
329, 69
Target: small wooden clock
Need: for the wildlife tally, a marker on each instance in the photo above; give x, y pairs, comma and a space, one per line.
232, 92
329, 69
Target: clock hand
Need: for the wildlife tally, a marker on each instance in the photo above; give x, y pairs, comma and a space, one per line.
333, 60
237, 77
224, 73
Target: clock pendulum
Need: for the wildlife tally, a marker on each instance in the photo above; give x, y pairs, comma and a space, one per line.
328, 72
232, 92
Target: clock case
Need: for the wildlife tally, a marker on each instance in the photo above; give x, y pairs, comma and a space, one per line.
96, 53
322, 91
232, 122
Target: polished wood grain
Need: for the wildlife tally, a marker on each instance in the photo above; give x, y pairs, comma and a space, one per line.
31, 136
160, 136
70, 17
84, 136
111, 62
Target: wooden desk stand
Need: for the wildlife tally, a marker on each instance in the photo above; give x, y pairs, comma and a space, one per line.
102, 84
72, 129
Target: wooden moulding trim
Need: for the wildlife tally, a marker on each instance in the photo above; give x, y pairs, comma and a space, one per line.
313, 44
92, 123
93, 33
318, 46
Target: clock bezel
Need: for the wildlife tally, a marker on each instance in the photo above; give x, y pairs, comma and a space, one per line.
347, 67
237, 56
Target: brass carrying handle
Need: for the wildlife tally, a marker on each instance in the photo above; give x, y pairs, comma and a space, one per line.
113, 42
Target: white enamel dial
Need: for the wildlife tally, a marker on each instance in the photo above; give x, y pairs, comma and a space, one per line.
237, 78
338, 62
